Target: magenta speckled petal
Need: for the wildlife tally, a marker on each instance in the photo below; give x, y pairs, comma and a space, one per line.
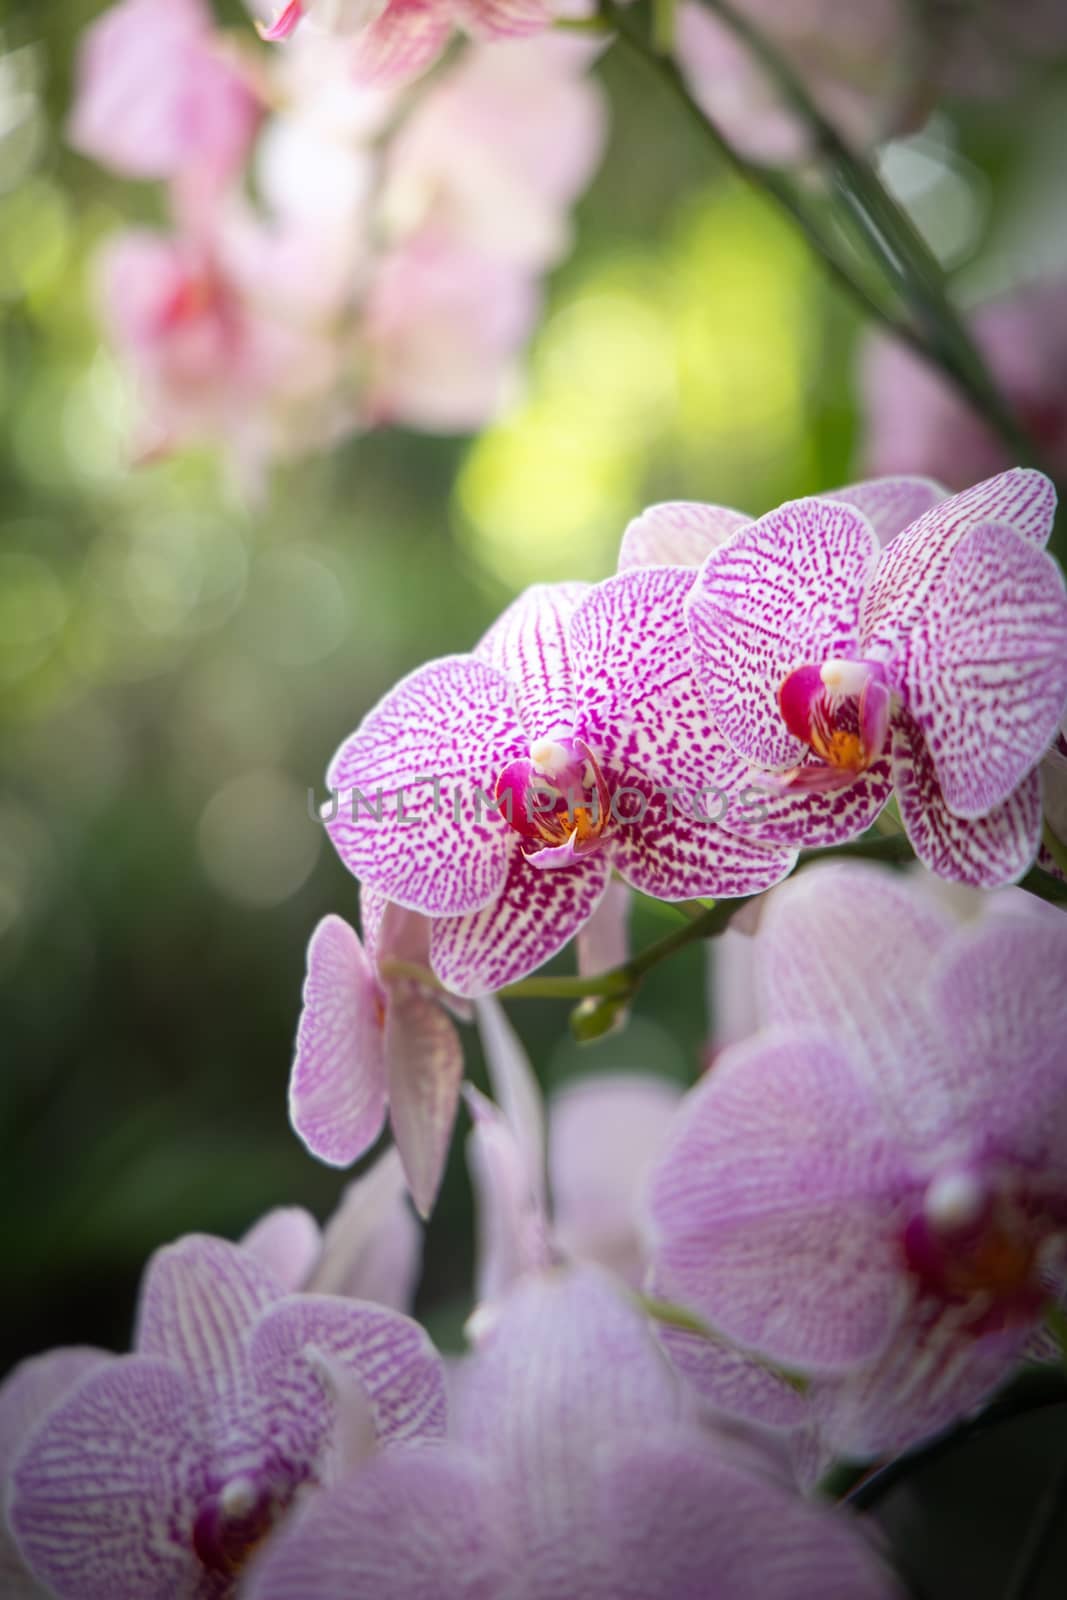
199, 1298
914, 565
528, 645
810, 819
670, 855
986, 851
337, 1088
437, 847
641, 707
784, 591
769, 1204
425, 1061
300, 1345
103, 1497
890, 504
678, 533
987, 668
537, 913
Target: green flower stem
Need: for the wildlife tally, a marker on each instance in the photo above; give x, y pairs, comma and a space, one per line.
672, 1316
622, 983
774, 184
1056, 1322
897, 246
1055, 846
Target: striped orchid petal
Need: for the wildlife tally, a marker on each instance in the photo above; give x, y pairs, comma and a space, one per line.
987, 672
415, 782
890, 504
537, 913
528, 644
678, 533
337, 1089
987, 851
785, 591
402, 42
425, 1066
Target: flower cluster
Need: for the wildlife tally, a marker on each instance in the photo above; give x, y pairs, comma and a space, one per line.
338, 259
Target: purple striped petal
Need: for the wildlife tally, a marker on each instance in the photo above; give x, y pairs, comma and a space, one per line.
421, 1524
1001, 996
425, 1069
603, 1135
536, 915
890, 504
426, 758
769, 1205
337, 1088
529, 645
287, 1242
104, 1499
372, 1245
987, 671
678, 533
663, 852
512, 1227
986, 851
809, 819
913, 567
927, 1379
676, 1510
199, 1298
849, 947
784, 591
569, 1358
728, 1379
641, 705
27, 1395
303, 1348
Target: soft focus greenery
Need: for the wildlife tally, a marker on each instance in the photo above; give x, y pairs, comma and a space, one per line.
176, 669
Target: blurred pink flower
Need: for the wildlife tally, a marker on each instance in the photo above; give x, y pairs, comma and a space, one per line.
917, 422
398, 39
441, 333
211, 358
159, 95
496, 151
860, 1191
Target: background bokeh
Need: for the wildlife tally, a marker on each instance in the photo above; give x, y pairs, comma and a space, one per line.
176, 669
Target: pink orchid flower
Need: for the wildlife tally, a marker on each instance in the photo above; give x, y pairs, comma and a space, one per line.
932, 666
495, 792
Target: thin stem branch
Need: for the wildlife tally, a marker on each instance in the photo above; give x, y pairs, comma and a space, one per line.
893, 241
767, 180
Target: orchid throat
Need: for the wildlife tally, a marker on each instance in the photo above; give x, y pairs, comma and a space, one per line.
840, 709
557, 799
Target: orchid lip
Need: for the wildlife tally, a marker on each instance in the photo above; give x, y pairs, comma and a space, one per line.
841, 710
557, 799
